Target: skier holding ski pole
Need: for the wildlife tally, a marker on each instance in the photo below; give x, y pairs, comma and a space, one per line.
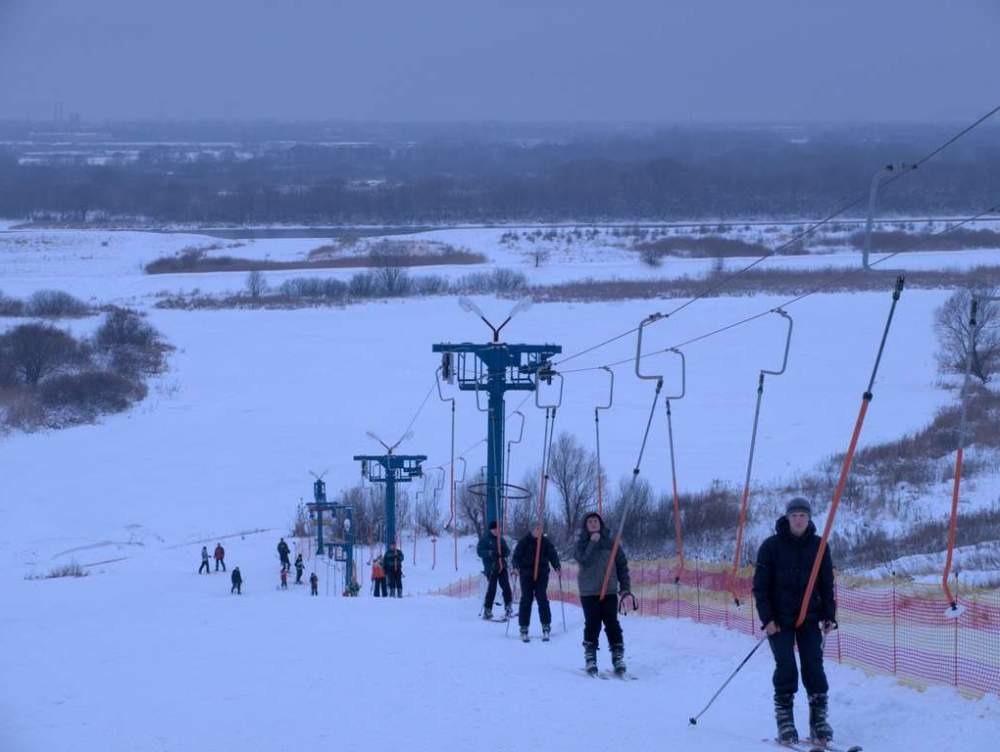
779, 584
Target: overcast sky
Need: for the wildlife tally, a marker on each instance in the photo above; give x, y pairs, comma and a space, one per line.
516, 60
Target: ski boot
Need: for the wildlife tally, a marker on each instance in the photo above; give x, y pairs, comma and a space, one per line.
546, 632
785, 717
508, 611
590, 657
487, 614
618, 658
819, 727
524, 635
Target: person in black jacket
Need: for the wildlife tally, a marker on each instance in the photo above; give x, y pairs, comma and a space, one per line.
283, 552
784, 563
523, 563
300, 567
593, 552
237, 579
393, 562
494, 552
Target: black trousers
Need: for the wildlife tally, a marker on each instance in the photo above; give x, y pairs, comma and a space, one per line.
597, 612
536, 590
395, 582
298, 575
220, 563
237, 588
285, 563
315, 589
501, 577
380, 590
204, 565
809, 638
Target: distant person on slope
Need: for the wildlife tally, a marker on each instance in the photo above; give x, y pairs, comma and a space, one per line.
283, 554
784, 563
393, 560
204, 561
284, 579
220, 557
494, 552
314, 584
523, 562
378, 579
237, 579
300, 567
593, 552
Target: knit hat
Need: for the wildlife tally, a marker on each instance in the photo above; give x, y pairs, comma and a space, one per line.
798, 504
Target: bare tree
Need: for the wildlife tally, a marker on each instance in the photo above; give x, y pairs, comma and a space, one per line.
471, 509
573, 475
36, 350
951, 322
256, 284
429, 515
539, 256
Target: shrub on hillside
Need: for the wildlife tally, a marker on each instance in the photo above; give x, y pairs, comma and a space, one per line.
55, 304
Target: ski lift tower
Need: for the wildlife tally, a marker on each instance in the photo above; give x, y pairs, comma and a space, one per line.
341, 548
390, 469
495, 368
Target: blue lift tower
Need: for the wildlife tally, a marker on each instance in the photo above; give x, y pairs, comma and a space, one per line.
390, 469
495, 369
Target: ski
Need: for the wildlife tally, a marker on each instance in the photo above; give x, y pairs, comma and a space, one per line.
808, 745
621, 676
595, 674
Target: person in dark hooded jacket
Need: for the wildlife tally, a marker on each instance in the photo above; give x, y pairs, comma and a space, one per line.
523, 562
493, 550
593, 552
784, 564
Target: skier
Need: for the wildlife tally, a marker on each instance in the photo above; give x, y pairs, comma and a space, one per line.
523, 563
314, 584
284, 578
378, 579
393, 561
283, 554
204, 560
784, 562
495, 569
593, 551
220, 557
300, 567
237, 579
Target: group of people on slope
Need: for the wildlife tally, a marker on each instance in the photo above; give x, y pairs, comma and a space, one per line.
781, 579
387, 573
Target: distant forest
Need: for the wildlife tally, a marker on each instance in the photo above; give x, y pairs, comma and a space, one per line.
420, 174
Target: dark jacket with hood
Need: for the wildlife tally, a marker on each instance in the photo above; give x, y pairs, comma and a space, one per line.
593, 557
524, 556
784, 563
487, 551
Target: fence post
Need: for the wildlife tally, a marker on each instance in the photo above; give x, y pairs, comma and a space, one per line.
956, 632
697, 587
895, 641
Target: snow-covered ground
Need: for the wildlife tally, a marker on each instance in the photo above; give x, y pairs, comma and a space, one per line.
145, 655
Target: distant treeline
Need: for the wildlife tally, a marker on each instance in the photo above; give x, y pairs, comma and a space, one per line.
476, 175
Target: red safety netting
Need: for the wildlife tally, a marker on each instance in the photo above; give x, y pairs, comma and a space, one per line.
886, 627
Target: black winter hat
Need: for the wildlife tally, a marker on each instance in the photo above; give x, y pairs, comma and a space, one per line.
798, 504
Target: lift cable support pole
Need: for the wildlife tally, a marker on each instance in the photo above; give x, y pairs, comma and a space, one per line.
642, 449
597, 432
678, 526
389, 469
845, 470
745, 500
546, 455
496, 368
953, 609
341, 548
520, 436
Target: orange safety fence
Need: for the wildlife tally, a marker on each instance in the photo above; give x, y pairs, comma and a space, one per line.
891, 627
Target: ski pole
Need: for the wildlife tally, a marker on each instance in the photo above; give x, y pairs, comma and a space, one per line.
694, 720
562, 600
